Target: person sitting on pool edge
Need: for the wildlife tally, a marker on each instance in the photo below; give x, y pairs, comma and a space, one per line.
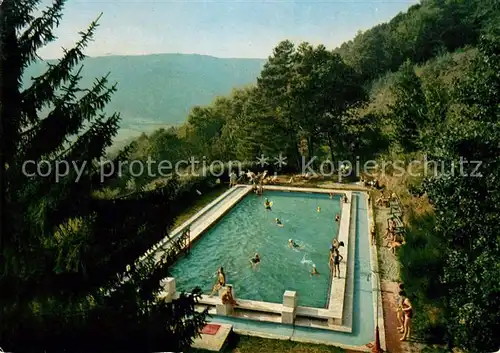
227, 297
314, 271
293, 244
267, 204
279, 223
221, 281
255, 260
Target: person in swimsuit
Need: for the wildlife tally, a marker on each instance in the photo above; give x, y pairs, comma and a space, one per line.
314, 271
408, 314
331, 196
337, 218
336, 259
318, 209
279, 223
267, 204
346, 200
395, 242
255, 260
227, 297
221, 281
293, 244
336, 244
399, 311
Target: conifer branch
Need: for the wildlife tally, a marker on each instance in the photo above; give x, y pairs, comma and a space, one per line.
40, 32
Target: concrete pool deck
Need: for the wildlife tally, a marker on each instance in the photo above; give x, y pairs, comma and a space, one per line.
266, 319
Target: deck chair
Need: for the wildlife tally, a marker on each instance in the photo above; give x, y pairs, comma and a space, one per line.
395, 207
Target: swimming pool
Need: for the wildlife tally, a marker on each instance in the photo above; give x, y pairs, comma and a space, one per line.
362, 310
248, 229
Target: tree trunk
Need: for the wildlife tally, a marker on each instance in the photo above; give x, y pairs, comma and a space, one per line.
330, 144
310, 148
294, 149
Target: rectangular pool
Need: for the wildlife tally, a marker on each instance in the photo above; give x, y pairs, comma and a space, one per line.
248, 229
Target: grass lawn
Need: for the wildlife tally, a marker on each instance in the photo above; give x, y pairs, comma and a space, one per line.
247, 344
199, 203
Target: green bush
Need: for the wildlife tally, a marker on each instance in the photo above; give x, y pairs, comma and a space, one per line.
421, 266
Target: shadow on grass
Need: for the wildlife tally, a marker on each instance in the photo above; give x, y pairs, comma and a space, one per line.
247, 344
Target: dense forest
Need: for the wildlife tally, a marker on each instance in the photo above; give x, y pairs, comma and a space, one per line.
425, 84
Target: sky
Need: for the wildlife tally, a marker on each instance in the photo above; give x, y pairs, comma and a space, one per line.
225, 29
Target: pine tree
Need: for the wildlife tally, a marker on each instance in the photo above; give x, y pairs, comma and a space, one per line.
63, 250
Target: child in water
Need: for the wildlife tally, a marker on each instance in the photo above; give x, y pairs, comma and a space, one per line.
267, 204
279, 223
318, 209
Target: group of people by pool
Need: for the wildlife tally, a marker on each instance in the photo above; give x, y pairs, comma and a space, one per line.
226, 297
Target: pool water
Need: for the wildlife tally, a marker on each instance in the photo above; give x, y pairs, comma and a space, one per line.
248, 229
363, 315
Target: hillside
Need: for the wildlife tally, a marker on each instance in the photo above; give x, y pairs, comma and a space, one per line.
159, 90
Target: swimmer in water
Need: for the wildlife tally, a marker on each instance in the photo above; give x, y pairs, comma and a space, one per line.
314, 271
318, 209
331, 196
267, 204
337, 218
255, 260
279, 223
292, 244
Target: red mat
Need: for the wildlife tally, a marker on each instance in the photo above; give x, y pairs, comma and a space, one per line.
210, 329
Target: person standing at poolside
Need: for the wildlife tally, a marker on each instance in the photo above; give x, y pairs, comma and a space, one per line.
408, 314
232, 179
336, 244
336, 259
399, 307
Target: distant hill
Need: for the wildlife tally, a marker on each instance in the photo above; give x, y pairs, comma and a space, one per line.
159, 90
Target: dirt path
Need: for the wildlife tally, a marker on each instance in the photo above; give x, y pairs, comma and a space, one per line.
389, 274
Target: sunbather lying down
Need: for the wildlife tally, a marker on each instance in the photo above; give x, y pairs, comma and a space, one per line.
272, 179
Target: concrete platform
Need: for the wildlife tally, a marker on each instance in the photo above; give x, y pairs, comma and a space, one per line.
216, 342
